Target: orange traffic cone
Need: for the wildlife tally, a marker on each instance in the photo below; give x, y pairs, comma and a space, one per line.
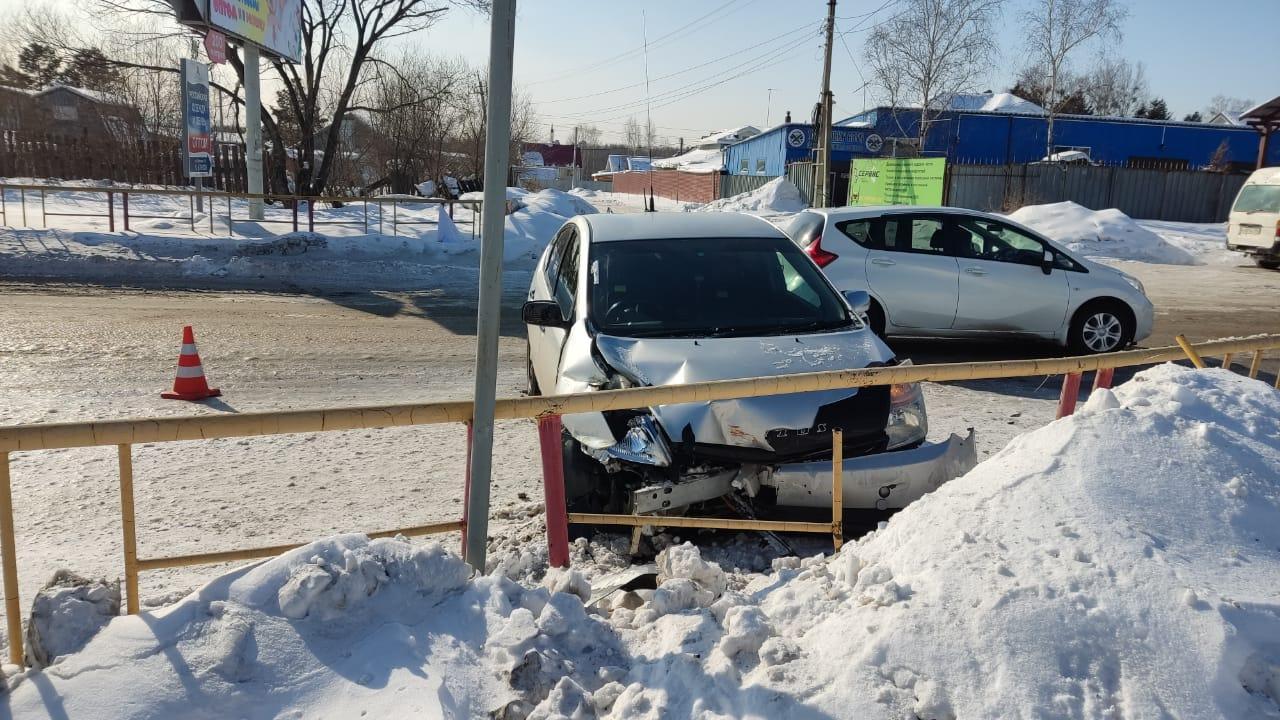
190, 383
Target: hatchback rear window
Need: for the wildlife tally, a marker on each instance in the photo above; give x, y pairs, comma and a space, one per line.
804, 227
1258, 198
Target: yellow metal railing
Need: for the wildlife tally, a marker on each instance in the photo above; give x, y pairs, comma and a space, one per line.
125, 433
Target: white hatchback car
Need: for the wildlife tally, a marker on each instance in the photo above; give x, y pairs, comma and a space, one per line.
947, 272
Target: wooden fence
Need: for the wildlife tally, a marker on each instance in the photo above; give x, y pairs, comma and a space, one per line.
142, 162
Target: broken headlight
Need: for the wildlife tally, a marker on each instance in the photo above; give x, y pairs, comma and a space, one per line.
907, 424
643, 444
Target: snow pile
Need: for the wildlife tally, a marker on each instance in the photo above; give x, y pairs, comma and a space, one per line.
409, 245
1120, 562
1206, 242
1101, 233
345, 627
697, 160
774, 197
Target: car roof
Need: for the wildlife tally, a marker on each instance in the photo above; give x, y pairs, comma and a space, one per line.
871, 210
676, 225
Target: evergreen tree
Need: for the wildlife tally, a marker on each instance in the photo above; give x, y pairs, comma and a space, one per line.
1193, 117
1158, 110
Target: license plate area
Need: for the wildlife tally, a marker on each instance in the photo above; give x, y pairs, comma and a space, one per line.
1250, 229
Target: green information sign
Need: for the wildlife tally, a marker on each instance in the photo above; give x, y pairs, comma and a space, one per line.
897, 181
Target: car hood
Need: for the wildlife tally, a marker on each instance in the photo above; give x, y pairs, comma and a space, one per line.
743, 422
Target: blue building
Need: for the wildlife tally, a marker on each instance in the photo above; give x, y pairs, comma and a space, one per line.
985, 137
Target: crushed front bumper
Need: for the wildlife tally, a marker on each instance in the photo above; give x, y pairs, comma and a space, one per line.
882, 481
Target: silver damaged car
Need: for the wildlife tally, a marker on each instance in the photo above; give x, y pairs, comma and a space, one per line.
622, 301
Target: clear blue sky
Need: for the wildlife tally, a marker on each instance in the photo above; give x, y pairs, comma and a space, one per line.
568, 49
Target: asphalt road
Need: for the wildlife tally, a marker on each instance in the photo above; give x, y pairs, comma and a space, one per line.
324, 350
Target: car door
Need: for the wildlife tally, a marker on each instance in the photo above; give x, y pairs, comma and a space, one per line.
912, 273
1003, 285
558, 281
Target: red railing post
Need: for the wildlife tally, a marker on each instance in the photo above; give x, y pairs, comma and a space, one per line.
1070, 391
466, 489
1103, 377
557, 515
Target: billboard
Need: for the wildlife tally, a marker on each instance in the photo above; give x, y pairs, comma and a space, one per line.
273, 25
197, 146
901, 181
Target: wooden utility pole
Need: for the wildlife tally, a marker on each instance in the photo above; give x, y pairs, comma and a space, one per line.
822, 130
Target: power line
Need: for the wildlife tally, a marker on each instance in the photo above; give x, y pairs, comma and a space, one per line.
707, 82
685, 70
626, 54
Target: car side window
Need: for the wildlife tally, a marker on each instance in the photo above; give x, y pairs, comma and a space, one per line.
554, 256
861, 232
566, 287
995, 241
916, 234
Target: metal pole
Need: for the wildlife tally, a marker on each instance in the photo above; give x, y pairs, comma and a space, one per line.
1192, 355
12, 608
253, 128
124, 198
497, 152
22, 198
1070, 393
111, 211
837, 488
556, 510
1256, 364
129, 529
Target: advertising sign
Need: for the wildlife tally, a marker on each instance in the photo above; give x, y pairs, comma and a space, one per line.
902, 181
273, 25
215, 46
197, 147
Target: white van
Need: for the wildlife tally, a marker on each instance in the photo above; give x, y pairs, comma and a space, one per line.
1254, 225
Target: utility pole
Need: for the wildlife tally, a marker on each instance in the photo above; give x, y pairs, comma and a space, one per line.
497, 152
768, 107
253, 128
822, 138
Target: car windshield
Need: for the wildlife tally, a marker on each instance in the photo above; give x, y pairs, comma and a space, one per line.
1258, 198
708, 287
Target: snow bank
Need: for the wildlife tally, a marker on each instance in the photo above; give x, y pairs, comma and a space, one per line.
1101, 233
411, 246
775, 196
1120, 562
345, 627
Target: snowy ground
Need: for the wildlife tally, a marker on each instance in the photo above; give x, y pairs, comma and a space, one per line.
1118, 563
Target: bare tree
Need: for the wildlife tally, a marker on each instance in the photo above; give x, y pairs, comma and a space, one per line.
931, 51
1055, 30
1114, 87
588, 136
1228, 105
639, 137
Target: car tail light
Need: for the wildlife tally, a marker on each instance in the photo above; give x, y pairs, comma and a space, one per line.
1278, 228
820, 257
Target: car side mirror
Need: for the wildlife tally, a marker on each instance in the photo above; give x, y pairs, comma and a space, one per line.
1046, 262
543, 313
859, 301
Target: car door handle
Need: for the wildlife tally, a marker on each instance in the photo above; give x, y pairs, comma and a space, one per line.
975, 271
883, 261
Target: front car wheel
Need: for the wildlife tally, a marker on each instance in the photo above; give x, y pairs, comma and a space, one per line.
1101, 328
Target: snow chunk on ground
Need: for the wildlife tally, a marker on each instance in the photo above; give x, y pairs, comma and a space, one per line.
774, 197
67, 613
1101, 233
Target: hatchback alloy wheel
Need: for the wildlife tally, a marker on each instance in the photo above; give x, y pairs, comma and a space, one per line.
1102, 332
